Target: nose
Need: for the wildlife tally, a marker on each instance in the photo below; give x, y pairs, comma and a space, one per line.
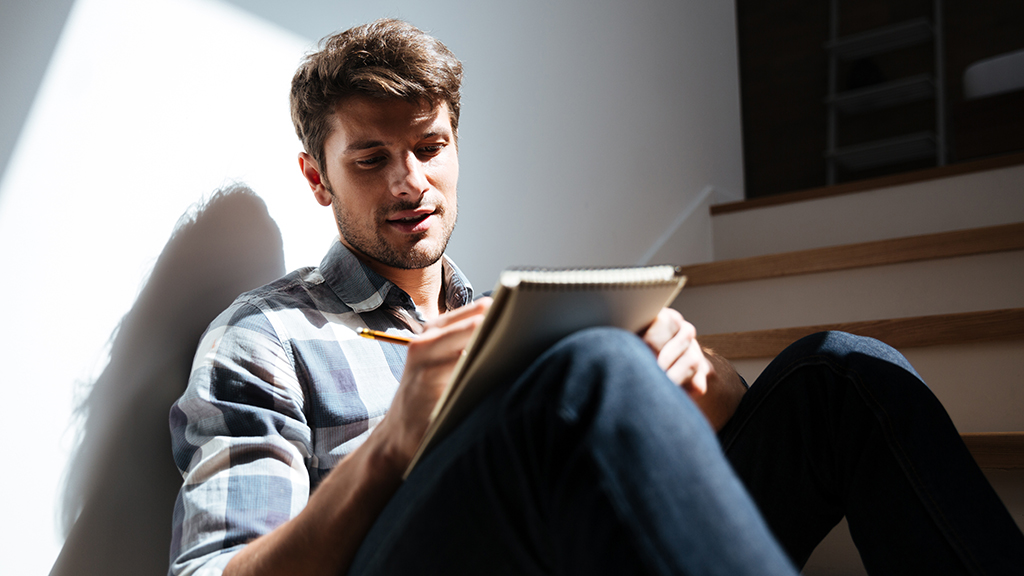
410, 177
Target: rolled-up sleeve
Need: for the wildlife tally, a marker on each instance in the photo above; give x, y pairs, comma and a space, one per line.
241, 441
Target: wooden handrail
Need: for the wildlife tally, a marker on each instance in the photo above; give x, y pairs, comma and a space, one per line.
1002, 450
926, 174
877, 253
900, 333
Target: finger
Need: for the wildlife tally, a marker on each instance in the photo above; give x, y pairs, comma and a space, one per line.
673, 350
668, 325
677, 345
690, 370
695, 379
443, 344
660, 331
698, 385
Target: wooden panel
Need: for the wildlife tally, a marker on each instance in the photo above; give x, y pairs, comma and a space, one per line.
900, 333
877, 253
873, 183
1003, 450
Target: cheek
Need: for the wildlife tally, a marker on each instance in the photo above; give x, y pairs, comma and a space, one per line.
446, 176
351, 203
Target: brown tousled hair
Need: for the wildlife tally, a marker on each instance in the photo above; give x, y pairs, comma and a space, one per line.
383, 59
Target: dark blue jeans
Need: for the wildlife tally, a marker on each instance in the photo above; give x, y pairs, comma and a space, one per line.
843, 425
592, 462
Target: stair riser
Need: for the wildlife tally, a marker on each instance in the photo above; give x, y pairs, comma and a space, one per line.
949, 285
966, 201
981, 385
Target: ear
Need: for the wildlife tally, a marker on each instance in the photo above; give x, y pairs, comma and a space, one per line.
315, 178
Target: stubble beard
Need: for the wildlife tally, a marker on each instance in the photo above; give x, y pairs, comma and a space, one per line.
368, 241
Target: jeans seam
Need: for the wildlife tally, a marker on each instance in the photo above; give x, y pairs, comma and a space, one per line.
899, 452
895, 447
622, 506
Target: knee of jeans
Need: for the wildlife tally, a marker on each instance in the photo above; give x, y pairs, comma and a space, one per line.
584, 362
599, 343
847, 351
843, 347
602, 350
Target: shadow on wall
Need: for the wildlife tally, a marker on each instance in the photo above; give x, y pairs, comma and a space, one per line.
122, 481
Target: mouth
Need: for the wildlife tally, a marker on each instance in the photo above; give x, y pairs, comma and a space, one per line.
412, 221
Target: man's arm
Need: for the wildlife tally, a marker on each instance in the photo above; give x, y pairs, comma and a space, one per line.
710, 380
324, 537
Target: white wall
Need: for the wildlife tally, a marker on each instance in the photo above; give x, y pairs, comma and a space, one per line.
588, 128
146, 109
28, 33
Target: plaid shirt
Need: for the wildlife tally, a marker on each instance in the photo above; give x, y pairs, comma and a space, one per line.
281, 390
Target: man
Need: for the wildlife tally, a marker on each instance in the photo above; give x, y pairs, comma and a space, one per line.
293, 434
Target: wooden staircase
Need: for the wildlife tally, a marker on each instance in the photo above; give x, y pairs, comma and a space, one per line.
949, 296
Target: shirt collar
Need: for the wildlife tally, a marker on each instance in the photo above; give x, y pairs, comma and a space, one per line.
363, 290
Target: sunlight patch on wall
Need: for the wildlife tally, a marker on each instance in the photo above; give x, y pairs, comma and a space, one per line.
146, 108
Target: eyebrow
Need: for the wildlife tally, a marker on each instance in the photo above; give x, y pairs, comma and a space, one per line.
433, 133
363, 145
360, 145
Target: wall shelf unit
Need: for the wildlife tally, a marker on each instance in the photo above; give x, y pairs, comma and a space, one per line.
930, 85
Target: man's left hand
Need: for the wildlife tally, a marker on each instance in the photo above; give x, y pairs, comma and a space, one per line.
709, 380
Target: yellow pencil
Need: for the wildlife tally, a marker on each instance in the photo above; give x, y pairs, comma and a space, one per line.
383, 336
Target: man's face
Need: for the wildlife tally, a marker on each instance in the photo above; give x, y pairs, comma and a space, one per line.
392, 170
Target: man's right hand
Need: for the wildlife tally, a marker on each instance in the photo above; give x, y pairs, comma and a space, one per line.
429, 365
324, 537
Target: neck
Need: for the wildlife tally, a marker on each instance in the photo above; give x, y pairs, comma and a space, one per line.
423, 285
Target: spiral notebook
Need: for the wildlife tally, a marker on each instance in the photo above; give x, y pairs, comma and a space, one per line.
535, 308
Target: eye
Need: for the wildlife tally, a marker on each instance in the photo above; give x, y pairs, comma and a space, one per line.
431, 149
369, 162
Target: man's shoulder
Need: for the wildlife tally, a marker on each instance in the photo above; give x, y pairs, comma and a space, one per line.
301, 295
295, 289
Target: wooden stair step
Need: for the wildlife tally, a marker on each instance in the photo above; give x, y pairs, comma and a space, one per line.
903, 178
1000, 450
878, 253
900, 333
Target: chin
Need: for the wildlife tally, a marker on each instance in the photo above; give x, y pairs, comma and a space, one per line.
402, 252
414, 256
416, 259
